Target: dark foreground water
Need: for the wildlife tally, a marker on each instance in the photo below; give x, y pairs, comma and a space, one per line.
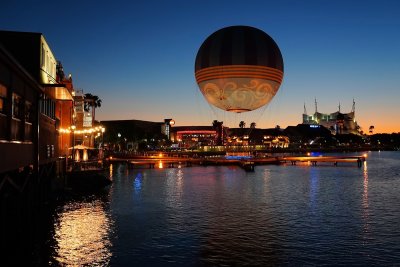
223, 216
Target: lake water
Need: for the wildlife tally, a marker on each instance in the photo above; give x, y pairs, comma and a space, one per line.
224, 216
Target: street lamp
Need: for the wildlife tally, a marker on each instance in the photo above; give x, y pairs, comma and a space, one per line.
102, 136
73, 127
119, 142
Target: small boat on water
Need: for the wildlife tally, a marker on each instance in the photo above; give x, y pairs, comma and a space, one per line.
87, 179
88, 174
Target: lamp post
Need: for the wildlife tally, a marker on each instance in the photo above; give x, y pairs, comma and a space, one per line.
102, 136
73, 127
119, 142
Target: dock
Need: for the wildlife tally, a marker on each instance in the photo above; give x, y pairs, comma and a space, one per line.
247, 164
326, 159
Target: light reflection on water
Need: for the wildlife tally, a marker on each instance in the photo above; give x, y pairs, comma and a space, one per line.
223, 216
82, 235
365, 204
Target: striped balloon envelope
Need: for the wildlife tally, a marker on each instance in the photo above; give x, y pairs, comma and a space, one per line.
239, 69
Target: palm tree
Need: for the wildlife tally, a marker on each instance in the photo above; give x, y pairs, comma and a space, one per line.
371, 129
217, 125
93, 102
242, 124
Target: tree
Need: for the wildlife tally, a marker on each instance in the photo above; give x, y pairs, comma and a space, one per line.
371, 129
253, 125
217, 125
91, 102
242, 124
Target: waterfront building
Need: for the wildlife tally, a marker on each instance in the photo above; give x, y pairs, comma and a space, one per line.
33, 53
19, 104
206, 138
130, 134
82, 120
32, 108
337, 122
136, 135
188, 137
256, 139
303, 135
64, 112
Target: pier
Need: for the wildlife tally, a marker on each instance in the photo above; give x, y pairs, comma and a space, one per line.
247, 164
326, 159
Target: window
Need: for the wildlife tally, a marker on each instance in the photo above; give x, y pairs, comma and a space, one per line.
28, 111
3, 98
47, 61
16, 106
47, 107
43, 56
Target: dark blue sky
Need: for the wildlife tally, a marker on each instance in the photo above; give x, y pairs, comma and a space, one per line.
138, 56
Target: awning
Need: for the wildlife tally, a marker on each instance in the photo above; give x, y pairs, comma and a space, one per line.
58, 91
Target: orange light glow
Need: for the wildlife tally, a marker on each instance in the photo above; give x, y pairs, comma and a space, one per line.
82, 235
85, 155
77, 155
160, 165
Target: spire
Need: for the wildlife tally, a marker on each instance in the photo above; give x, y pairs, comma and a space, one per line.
353, 109
305, 110
316, 106
339, 106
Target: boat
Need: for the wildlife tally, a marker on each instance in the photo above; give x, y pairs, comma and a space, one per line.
88, 174
87, 179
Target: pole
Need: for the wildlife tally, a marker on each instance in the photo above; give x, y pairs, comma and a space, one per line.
73, 143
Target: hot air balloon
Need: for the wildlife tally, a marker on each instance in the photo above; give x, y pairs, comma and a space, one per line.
239, 69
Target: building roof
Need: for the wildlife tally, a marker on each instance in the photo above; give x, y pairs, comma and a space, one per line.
192, 128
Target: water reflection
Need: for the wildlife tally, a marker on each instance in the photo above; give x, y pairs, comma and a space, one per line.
138, 182
237, 227
174, 187
314, 185
365, 203
111, 170
82, 235
224, 216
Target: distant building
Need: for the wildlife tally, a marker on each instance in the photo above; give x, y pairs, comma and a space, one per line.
258, 138
127, 134
194, 136
337, 122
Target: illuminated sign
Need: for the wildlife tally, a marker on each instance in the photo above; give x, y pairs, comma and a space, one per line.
87, 120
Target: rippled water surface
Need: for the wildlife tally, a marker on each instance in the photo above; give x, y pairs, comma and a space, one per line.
224, 216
